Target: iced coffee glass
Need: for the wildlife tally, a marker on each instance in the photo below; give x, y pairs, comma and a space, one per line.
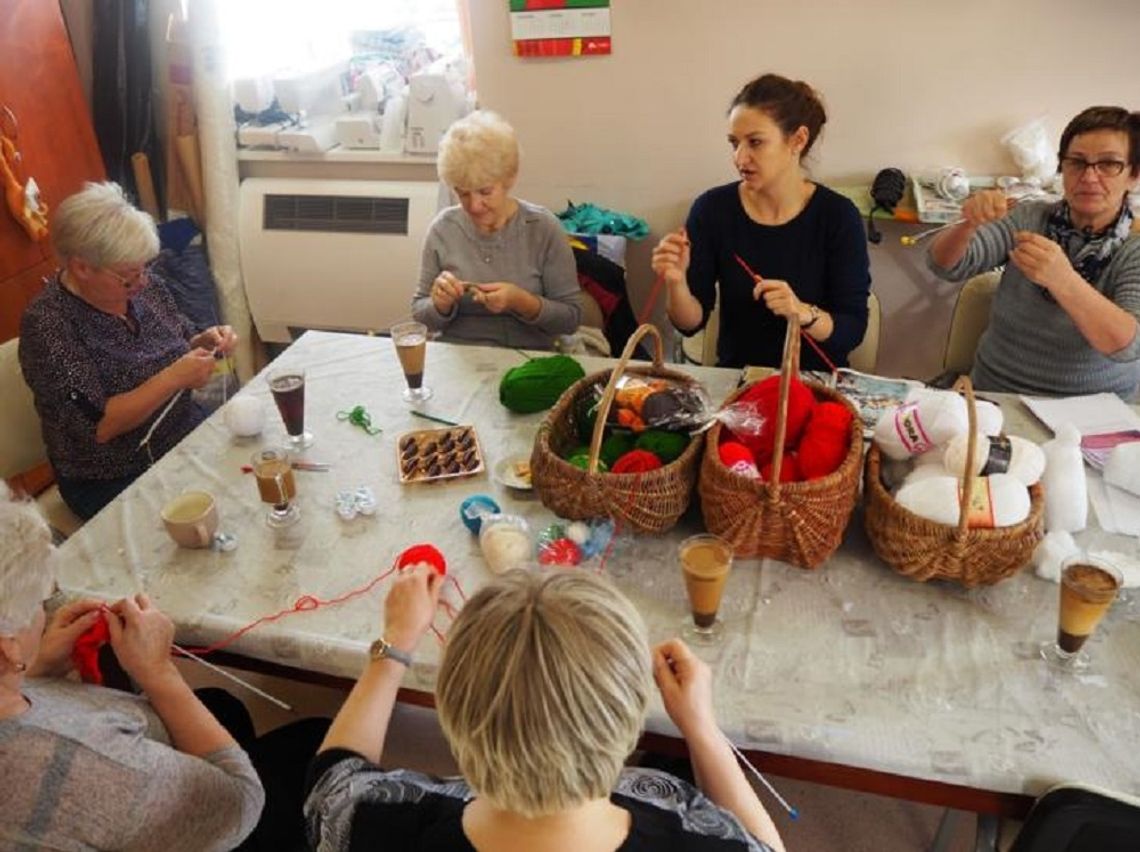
706, 560
276, 486
410, 340
1088, 587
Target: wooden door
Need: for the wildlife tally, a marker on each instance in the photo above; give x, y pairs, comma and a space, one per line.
39, 83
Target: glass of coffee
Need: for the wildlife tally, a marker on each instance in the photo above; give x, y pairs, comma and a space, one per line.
288, 387
410, 340
1088, 588
706, 560
276, 486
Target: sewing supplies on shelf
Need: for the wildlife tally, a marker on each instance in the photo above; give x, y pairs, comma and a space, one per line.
358, 416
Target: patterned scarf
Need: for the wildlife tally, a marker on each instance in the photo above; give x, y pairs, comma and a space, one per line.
1088, 252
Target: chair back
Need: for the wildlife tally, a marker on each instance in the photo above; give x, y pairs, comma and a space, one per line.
970, 319
864, 356
21, 442
1077, 818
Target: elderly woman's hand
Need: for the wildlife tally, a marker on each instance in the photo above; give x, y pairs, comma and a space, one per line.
501, 296
217, 338
410, 605
64, 627
192, 370
685, 683
671, 257
987, 205
141, 636
446, 291
1042, 261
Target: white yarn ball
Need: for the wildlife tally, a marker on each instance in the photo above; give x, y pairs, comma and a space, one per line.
1123, 467
505, 542
1066, 489
937, 499
989, 417
578, 532
1026, 460
245, 416
924, 471
930, 419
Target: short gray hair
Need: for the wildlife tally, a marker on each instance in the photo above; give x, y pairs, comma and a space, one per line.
543, 689
478, 150
100, 225
27, 571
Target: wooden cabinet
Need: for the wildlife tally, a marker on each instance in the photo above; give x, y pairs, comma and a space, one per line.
40, 85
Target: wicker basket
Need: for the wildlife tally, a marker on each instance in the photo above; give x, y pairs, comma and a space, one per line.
651, 501
801, 523
926, 550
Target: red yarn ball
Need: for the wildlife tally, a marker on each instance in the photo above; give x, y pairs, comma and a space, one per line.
789, 470
561, 551
636, 461
738, 458
826, 440
765, 395
423, 553
85, 651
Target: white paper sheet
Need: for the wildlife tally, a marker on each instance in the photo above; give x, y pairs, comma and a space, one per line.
1094, 414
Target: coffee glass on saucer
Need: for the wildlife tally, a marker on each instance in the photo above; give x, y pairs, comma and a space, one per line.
1089, 585
410, 340
273, 471
706, 560
288, 387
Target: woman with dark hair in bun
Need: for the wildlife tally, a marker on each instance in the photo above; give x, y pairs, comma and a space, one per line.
804, 241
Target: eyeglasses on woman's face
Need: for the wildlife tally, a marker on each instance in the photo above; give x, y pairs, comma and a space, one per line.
130, 277
1077, 166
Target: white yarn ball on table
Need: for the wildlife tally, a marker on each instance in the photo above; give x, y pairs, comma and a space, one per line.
245, 416
505, 542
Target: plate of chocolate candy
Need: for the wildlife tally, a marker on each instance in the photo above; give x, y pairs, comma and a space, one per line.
430, 455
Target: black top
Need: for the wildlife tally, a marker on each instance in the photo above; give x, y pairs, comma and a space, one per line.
821, 253
354, 805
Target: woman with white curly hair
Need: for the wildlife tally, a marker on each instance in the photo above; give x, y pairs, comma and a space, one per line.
94, 768
542, 694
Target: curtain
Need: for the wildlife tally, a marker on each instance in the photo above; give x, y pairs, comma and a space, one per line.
121, 89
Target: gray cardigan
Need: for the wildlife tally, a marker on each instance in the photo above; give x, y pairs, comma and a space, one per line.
1032, 346
531, 251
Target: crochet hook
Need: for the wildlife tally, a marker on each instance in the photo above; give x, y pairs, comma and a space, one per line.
433, 418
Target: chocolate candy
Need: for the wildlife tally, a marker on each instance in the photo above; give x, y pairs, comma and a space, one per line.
431, 454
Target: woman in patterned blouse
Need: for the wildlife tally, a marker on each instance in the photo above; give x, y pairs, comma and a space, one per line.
105, 354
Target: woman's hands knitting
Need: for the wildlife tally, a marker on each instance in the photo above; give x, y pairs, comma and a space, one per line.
1042, 261
53, 659
410, 605
446, 291
141, 636
685, 683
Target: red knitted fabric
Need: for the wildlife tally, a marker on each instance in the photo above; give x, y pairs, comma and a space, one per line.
85, 653
826, 440
765, 395
636, 461
789, 470
423, 553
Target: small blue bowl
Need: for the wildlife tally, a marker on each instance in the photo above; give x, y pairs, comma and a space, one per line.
474, 509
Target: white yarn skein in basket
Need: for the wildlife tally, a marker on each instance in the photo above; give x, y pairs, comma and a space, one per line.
915, 427
988, 414
937, 499
1026, 462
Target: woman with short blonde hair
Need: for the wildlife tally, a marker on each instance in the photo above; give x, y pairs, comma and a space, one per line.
542, 693
495, 269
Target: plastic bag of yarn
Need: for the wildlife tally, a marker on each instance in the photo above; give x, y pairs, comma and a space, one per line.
764, 397
505, 542
555, 547
538, 383
642, 402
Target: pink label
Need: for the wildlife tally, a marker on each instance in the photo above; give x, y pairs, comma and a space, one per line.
908, 426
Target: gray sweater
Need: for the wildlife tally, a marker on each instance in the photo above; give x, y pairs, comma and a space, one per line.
92, 768
531, 251
1031, 345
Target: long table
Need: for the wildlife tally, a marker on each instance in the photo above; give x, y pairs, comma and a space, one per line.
851, 674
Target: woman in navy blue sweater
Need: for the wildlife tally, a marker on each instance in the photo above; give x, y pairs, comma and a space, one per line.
804, 241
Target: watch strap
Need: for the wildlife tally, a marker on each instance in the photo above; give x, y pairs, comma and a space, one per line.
383, 649
815, 312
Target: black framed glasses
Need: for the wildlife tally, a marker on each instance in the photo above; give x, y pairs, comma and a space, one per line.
142, 275
1076, 166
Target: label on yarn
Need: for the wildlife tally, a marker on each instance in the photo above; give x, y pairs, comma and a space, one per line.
1000, 454
746, 469
908, 426
980, 511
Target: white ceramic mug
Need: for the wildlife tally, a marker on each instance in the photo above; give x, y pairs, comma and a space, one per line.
191, 519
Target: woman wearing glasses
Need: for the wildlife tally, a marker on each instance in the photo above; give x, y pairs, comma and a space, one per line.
104, 354
1064, 318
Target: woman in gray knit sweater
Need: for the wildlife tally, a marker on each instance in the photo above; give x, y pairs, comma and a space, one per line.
1065, 316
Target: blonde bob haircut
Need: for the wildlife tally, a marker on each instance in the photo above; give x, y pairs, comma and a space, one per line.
99, 225
543, 689
27, 564
477, 151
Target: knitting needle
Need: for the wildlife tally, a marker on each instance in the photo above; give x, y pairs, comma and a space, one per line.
233, 677
165, 411
908, 240
433, 418
792, 812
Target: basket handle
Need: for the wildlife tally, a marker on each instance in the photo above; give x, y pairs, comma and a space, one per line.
611, 385
965, 385
789, 366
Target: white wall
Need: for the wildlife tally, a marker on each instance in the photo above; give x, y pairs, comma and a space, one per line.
908, 83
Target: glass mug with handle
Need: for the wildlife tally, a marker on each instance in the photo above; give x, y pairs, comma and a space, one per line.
276, 485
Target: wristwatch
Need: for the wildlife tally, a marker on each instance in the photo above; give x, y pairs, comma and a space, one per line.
383, 649
815, 312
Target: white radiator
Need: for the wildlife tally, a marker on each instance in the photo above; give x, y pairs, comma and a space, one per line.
331, 254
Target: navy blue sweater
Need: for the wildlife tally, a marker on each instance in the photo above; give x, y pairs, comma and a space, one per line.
822, 253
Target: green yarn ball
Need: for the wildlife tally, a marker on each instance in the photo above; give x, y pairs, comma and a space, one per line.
615, 446
582, 460
667, 446
537, 384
